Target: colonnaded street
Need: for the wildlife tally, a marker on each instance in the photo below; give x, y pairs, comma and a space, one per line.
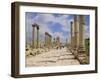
53, 50
53, 57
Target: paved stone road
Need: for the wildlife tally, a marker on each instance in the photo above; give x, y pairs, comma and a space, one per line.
53, 57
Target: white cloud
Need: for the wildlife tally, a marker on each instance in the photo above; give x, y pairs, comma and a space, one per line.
43, 19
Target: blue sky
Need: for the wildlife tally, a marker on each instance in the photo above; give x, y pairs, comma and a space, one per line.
54, 24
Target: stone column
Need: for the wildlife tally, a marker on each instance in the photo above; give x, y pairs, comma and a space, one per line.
81, 33
48, 38
72, 34
37, 36
45, 40
33, 36
50, 41
82, 56
66, 42
76, 32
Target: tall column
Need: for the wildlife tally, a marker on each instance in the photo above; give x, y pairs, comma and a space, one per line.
54, 42
76, 32
66, 42
49, 43
33, 36
45, 40
37, 36
72, 34
81, 33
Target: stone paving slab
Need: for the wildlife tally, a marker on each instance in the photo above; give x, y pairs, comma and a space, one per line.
53, 57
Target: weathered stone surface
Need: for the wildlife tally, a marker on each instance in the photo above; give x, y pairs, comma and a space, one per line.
48, 40
78, 39
33, 36
54, 57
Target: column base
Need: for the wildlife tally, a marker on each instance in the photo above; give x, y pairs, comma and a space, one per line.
82, 56
81, 50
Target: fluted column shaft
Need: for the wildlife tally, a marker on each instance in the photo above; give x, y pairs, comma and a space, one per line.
81, 33
76, 31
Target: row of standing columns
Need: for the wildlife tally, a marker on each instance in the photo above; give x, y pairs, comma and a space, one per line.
77, 39
77, 33
48, 40
35, 43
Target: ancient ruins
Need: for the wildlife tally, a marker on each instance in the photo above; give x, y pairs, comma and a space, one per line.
53, 47
77, 39
33, 41
48, 40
